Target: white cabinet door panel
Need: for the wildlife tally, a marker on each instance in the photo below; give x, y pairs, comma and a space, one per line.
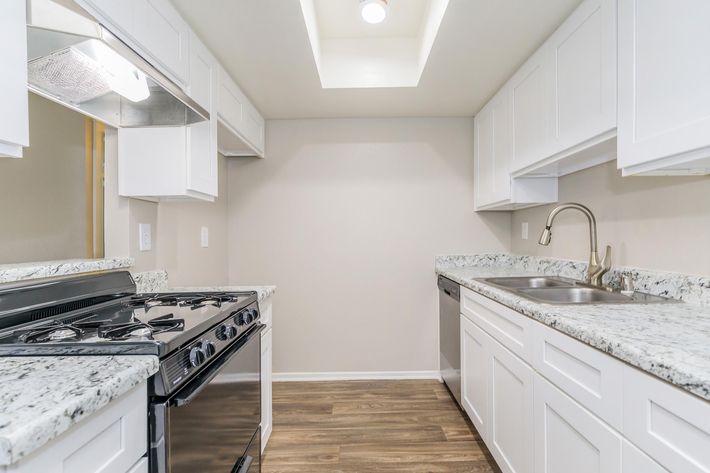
266, 387
568, 438
117, 16
14, 120
584, 74
664, 80
162, 33
530, 114
474, 375
671, 425
510, 394
492, 152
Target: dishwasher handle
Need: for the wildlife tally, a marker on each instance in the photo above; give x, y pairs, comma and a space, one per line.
449, 287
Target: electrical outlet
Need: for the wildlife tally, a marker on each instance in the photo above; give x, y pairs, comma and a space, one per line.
145, 242
204, 237
524, 231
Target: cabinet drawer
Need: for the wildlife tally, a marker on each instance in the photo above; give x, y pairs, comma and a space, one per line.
591, 377
110, 441
511, 329
670, 425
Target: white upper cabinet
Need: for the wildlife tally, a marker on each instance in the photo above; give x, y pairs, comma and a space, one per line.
530, 110
564, 97
241, 126
202, 159
14, 120
583, 54
495, 189
162, 32
153, 27
664, 87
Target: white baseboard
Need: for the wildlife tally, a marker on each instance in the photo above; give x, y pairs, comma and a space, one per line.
356, 375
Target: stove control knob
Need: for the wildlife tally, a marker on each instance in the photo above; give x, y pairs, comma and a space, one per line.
254, 314
240, 319
221, 332
197, 356
230, 331
208, 348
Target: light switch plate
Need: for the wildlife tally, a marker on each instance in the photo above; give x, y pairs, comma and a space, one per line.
204, 237
145, 242
524, 231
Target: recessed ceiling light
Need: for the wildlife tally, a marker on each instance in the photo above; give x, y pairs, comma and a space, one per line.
373, 11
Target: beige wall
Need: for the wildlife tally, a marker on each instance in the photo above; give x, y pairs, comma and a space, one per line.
123, 215
178, 243
42, 194
651, 222
345, 217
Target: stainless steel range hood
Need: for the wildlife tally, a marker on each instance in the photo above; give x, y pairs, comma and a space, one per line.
75, 61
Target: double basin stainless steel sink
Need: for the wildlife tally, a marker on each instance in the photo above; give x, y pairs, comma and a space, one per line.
558, 290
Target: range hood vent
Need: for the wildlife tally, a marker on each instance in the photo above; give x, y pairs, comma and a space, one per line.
75, 61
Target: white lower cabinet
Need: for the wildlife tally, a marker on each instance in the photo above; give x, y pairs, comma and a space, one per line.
510, 395
474, 375
568, 438
544, 402
266, 380
671, 425
113, 440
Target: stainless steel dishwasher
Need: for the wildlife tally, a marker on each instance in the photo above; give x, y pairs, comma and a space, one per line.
449, 336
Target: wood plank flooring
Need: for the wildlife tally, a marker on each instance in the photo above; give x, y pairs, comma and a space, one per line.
371, 426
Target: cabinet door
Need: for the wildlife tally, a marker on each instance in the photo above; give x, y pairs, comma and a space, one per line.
510, 394
669, 424
163, 34
14, 120
664, 81
570, 439
492, 152
529, 92
119, 17
584, 75
266, 393
203, 160
634, 460
474, 375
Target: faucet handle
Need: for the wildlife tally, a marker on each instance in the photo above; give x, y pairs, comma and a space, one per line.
627, 283
606, 261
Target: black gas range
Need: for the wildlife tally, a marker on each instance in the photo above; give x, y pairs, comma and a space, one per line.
208, 344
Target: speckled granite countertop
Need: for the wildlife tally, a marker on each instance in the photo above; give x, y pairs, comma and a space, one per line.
262, 291
42, 397
48, 269
670, 341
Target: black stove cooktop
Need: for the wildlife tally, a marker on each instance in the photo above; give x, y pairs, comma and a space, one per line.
156, 323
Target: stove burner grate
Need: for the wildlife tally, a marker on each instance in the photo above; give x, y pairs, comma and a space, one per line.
54, 333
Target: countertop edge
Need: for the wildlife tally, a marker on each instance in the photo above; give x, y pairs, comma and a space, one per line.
48, 269
65, 415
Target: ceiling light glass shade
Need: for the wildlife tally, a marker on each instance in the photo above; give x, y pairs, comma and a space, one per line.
373, 11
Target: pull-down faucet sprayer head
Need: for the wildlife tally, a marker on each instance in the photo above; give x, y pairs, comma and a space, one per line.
545, 237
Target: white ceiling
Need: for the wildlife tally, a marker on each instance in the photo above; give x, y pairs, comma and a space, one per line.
264, 45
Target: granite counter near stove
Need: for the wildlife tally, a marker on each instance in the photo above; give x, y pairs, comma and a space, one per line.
43, 396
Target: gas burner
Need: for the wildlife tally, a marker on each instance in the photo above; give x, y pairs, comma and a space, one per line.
125, 331
53, 333
147, 302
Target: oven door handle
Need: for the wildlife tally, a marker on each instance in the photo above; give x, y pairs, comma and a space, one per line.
246, 463
192, 390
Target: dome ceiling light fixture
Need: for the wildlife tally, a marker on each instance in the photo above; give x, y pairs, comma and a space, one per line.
373, 11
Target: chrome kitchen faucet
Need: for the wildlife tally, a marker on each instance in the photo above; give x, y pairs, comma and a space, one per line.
596, 268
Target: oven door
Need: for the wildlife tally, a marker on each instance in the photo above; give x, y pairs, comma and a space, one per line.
208, 425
